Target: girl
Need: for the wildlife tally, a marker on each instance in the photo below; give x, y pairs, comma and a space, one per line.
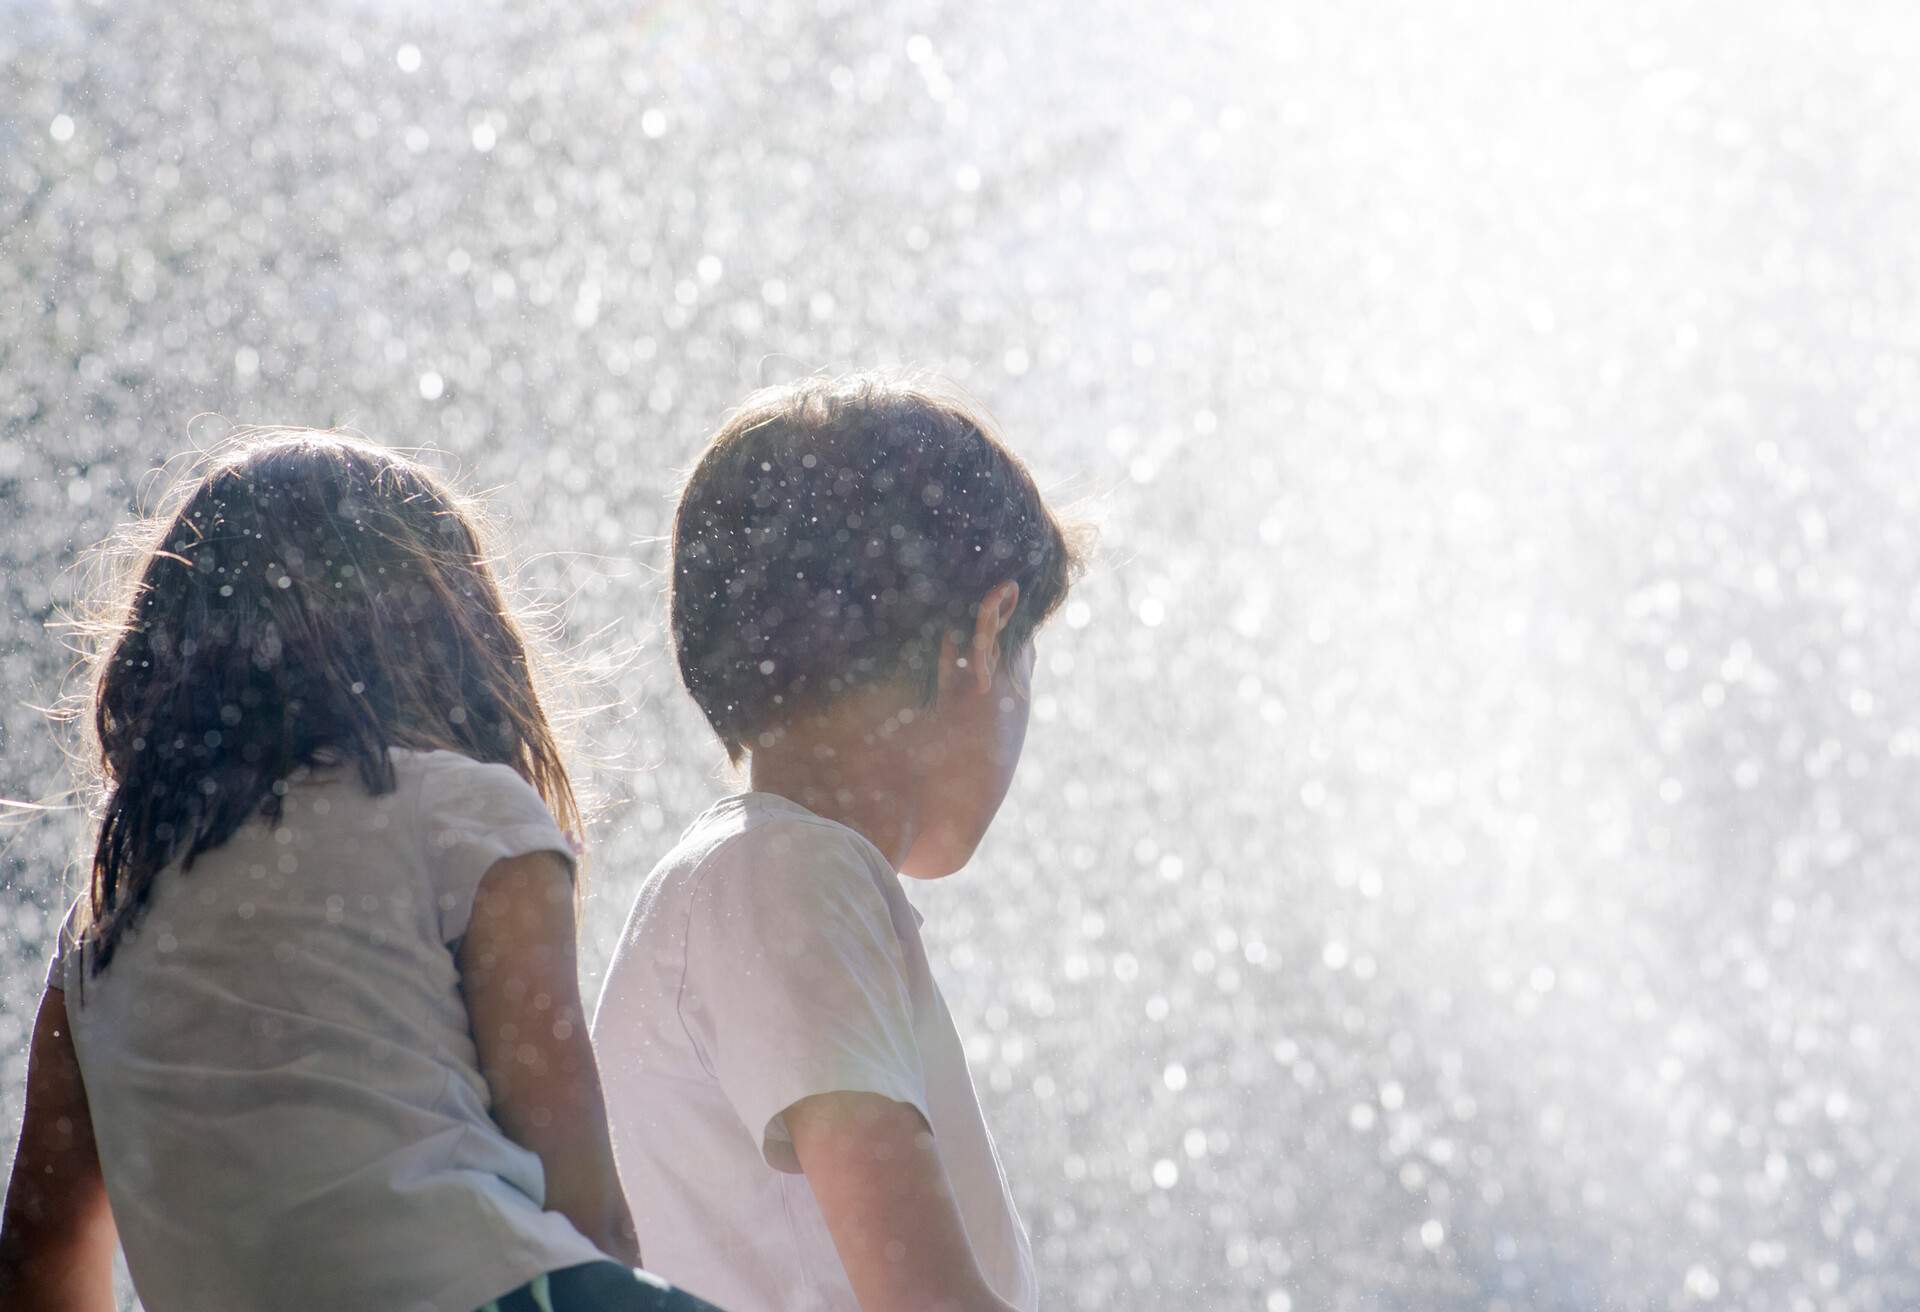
314, 1029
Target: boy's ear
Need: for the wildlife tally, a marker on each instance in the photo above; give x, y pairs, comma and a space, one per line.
990, 621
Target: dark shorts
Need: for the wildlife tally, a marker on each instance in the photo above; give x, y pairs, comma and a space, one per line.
594, 1286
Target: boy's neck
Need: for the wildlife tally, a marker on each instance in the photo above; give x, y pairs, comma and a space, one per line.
850, 765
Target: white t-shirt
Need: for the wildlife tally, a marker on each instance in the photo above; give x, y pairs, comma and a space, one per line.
278, 1063
770, 956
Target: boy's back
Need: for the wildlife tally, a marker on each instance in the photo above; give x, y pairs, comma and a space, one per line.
772, 956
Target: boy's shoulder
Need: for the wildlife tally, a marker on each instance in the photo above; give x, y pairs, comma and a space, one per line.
765, 836
759, 856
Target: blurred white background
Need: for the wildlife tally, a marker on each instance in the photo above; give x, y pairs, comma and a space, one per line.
1463, 858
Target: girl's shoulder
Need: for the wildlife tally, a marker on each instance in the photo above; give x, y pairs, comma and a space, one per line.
441, 765
472, 815
451, 787
421, 780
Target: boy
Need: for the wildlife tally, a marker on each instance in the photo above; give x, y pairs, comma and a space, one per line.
858, 570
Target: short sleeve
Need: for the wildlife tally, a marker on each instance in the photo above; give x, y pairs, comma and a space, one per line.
66, 947
474, 815
796, 980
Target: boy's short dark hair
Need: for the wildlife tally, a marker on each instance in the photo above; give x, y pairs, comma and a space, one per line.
835, 531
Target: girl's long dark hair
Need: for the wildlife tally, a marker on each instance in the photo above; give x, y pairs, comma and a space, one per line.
316, 599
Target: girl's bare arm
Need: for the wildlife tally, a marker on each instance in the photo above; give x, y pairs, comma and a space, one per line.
518, 972
56, 1235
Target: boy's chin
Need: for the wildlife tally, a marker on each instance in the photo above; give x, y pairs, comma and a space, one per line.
938, 859
929, 868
